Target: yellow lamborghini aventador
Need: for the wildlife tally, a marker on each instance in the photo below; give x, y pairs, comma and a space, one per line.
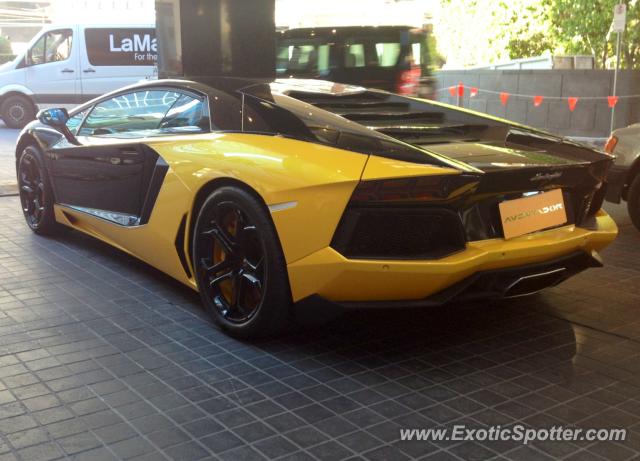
292, 196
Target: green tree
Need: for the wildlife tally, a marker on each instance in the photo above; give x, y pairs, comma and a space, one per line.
472, 32
5, 46
582, 27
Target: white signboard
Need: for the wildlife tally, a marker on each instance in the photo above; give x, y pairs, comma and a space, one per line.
619, 17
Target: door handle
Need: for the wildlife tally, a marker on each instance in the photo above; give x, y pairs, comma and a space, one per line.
67, 71
86, 71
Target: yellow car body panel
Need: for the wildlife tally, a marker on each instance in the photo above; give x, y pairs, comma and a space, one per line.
332, 276
312, 183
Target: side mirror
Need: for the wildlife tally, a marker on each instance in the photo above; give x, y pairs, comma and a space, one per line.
56, 118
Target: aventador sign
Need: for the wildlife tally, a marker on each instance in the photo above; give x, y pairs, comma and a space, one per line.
121, 47
533, 213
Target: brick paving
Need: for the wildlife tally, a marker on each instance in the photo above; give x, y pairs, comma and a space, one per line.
102, 357
7, 160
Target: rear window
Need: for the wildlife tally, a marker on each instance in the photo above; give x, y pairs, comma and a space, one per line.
121, 46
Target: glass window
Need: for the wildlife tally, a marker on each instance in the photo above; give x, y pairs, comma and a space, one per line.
188, 114
354, 55
147, 113
119, 46
302, 56
74, 121
388, 54
53, 46
135, 114
416, 53
37, 51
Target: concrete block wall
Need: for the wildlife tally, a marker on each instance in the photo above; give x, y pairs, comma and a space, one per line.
591, 118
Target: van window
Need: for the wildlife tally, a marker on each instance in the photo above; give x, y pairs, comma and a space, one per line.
146, 113
121, 46
53, 46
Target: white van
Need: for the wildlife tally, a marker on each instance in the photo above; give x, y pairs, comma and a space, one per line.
67, 65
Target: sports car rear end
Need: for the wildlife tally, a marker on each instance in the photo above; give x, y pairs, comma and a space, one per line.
426, 230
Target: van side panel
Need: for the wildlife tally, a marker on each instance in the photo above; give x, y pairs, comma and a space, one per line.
113, 57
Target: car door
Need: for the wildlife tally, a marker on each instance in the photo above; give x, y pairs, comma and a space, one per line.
112, 174
51, 68
113, 57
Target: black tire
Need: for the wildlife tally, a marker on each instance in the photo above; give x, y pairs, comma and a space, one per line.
633, 201
239, 265
36, 196
17, 111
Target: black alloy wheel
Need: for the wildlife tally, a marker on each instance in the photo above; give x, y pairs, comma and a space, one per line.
239, 264
36, 198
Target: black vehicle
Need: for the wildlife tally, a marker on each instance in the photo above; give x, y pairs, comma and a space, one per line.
391, 58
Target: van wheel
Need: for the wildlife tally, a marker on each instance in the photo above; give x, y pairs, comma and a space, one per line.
633, 201
17, 111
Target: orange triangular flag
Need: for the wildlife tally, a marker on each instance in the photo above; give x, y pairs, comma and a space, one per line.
612, 100
452, 90
504, 97
537, 100
572, 103
473, 92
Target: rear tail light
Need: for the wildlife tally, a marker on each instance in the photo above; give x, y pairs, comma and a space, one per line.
414, 190
611, 144
408, 80
404, 218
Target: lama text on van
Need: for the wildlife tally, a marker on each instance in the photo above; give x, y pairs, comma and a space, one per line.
141, 43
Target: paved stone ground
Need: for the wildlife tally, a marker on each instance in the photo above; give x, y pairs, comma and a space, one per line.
7, 160
102, 357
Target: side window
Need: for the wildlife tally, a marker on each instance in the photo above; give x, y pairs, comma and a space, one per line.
146, 113
388, 53
129, 115
53, 46
416, 54
74, 122
302, 56
37, 51
188, 114
354, 55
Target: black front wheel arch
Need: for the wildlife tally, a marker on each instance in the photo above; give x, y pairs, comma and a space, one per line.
238, 264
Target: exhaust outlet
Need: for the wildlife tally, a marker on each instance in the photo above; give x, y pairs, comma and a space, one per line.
533, 283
